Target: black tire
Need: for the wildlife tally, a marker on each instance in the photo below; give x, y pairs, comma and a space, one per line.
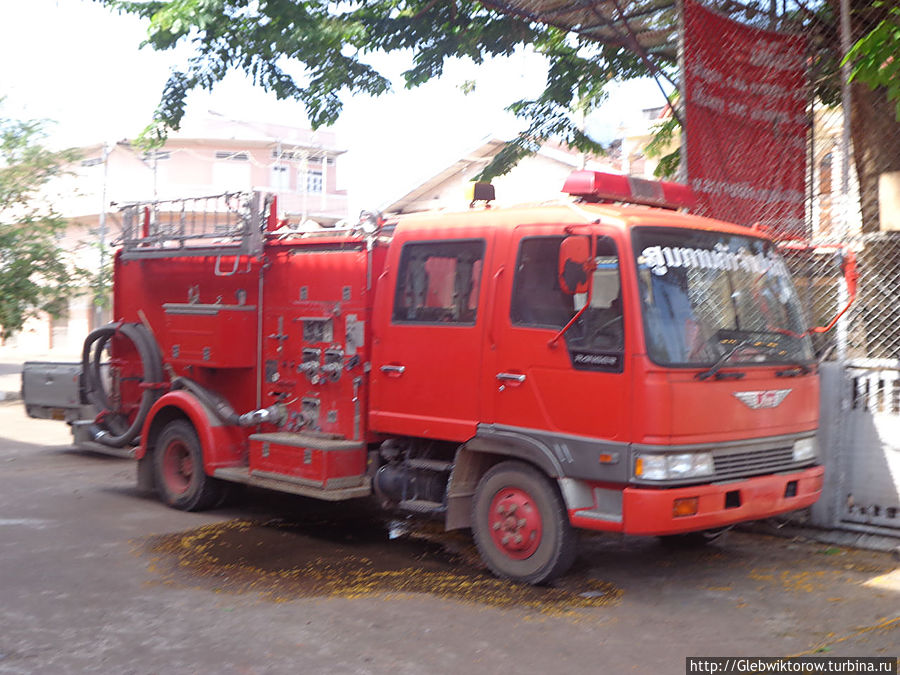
178, 467
520, 524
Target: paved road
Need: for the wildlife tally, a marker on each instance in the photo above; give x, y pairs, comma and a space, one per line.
97, 578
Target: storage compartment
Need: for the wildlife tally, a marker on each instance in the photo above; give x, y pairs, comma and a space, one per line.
315, 461
214, 336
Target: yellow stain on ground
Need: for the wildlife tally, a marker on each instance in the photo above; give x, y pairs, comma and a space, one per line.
194, 553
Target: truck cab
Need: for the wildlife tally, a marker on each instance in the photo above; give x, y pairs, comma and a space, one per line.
652, 364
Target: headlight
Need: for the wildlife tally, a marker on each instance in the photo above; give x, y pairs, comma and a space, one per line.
804, 449
651, 467
673, 467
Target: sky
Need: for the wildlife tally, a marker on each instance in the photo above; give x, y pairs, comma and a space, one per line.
80, 65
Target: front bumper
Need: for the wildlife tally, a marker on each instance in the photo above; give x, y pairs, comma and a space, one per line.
649, 511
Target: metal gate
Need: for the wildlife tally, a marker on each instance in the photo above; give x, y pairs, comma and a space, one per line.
871, 446
859, 439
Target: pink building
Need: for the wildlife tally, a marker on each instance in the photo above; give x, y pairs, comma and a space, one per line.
210, 157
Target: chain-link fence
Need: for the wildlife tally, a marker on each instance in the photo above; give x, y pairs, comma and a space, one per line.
775, 132
834, 141
871, 327
853, 166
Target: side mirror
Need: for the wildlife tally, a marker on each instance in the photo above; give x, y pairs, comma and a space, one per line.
575, 264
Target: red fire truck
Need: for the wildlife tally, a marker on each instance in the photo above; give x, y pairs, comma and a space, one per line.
608, 363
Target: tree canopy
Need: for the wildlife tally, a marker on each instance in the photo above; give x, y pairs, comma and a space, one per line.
34, 274
876, 55
315, 51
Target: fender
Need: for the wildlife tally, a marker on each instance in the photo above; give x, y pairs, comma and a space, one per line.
475, 457
518, 444
223, 445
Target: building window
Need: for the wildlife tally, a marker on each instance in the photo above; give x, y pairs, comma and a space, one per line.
438, 282
158, 155
313, 183
232, 170
302, 155
232, 156
280, 178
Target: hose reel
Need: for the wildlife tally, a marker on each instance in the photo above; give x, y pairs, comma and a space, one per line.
112, 427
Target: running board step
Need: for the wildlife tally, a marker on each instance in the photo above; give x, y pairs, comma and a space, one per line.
421, 506
334, 490
429, 464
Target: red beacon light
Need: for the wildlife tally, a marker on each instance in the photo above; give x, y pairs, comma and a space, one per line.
596, 186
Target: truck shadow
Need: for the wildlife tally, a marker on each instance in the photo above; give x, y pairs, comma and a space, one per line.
283, 548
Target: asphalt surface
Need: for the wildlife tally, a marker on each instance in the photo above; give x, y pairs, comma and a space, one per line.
95, 577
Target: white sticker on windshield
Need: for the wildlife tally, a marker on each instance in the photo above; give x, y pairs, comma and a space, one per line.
660, 259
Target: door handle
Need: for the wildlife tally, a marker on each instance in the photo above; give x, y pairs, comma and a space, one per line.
392, 370
518, 378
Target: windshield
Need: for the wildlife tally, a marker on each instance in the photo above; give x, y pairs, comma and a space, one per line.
705, 294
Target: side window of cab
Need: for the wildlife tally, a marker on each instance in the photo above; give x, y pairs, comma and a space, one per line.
540, 301
438, 282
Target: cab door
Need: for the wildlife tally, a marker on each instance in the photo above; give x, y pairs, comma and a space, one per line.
429, 336
577, 384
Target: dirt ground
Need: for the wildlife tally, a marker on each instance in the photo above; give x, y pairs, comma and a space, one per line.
97, 578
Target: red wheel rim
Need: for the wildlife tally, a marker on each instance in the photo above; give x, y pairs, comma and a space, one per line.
515, 523
178, 466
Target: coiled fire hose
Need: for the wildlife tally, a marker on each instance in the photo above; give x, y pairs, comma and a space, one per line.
112, 428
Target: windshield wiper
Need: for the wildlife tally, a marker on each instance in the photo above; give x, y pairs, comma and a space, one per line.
793, 370
714, 369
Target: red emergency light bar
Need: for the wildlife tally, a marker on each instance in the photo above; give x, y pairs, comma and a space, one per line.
596, 186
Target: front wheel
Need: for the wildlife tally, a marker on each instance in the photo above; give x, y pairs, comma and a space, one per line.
520, 524
178, 465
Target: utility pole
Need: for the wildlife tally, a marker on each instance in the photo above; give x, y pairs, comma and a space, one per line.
846, 109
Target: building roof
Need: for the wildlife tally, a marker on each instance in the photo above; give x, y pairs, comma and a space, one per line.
217, 130
478, 158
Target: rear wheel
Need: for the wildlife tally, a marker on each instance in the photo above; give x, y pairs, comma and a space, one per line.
178, 464
520, 525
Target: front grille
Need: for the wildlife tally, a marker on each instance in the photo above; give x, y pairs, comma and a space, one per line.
751, 463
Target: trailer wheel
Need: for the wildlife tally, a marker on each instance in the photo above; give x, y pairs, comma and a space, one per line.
178, 462
520, 525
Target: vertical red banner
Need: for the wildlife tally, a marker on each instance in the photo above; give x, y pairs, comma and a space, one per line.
745, 96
